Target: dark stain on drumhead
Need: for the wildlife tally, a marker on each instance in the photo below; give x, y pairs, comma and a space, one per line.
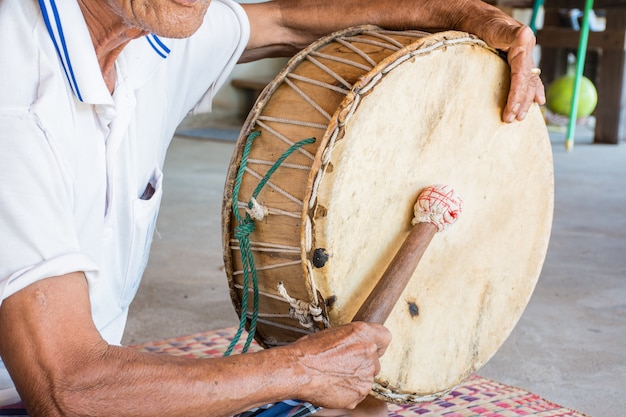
320, 256
413, 309
330, 301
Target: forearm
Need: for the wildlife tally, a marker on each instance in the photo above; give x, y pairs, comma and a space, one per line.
391, 14
290, 25
333, 369
125, 382
62, 367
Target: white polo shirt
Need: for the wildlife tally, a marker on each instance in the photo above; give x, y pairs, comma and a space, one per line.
77, 165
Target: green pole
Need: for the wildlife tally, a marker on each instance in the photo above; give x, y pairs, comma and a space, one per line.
533, 18
580, 65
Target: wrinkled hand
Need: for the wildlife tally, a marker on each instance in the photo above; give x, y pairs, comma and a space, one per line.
340, 363
526, 87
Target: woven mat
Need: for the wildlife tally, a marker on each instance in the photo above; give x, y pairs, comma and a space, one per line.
476, 397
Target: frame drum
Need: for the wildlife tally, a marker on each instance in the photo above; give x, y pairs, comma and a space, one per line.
391, 113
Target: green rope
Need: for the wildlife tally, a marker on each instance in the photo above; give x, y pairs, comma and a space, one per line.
245, 226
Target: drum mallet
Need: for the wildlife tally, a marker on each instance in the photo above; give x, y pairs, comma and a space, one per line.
437, 207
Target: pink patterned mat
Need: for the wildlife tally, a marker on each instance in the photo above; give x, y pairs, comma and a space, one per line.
476, 397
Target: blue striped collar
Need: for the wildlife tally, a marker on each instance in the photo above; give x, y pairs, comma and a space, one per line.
71, 41
158, 46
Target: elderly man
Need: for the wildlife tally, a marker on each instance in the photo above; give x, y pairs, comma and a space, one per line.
92, 91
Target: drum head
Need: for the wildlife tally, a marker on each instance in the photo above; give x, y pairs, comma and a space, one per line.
428, 114
477, 276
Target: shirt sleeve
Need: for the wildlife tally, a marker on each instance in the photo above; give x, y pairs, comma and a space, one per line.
37, 231
204, 61
239, 27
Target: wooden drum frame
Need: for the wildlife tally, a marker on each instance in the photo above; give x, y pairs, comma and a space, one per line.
392, 113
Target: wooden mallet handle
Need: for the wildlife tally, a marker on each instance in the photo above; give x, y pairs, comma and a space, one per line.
437, 207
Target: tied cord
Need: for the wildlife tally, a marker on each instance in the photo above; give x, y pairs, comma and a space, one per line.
245, 226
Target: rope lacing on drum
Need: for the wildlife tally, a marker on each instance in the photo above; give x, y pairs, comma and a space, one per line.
306, 313
245, 226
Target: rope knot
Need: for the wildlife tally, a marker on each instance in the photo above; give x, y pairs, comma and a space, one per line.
244, 229
305, 313
256, 210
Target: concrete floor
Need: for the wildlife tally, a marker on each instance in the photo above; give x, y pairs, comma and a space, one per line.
570, 345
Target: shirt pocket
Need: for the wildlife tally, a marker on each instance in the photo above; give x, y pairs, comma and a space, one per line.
145, 211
